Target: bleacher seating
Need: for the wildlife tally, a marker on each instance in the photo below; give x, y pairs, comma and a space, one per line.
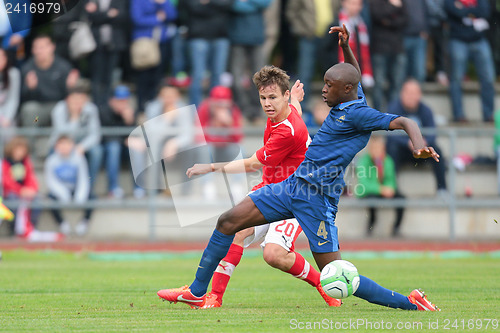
427, 216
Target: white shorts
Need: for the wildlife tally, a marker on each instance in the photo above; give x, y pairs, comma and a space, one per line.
284, 233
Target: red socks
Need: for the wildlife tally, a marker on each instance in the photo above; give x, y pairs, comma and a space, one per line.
225, 269
301, 269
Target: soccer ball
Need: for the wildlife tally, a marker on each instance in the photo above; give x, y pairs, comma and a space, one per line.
339, 279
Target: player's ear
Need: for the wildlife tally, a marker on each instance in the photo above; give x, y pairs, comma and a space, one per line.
287, 94
348, 88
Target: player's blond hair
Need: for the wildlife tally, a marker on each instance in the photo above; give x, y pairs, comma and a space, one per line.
269, 75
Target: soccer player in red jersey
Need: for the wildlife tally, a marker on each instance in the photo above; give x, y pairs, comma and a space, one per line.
285, 142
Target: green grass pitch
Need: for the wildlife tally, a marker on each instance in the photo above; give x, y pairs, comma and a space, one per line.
60, 292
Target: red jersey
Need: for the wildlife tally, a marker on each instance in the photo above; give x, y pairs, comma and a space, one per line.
285, 144
18, 175
206, 121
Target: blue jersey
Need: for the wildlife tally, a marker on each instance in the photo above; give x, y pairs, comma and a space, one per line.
343, 134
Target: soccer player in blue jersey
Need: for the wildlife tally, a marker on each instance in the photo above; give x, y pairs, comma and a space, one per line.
311, 194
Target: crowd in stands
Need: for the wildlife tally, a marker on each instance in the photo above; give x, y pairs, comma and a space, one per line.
377, 178
206, 52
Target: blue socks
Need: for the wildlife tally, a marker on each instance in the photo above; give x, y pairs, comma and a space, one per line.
215, 251
374, 293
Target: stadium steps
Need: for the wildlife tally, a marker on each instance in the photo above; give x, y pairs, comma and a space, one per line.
421, 221
426, 218
437, 98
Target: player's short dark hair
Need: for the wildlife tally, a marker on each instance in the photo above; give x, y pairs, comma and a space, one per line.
269, 75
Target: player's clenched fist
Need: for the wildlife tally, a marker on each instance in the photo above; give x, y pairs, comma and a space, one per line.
343, 35
297, 91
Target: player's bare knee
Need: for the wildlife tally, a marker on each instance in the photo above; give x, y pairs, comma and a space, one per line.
274, 256
226, 225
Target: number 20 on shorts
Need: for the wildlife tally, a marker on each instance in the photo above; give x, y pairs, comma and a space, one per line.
288, 229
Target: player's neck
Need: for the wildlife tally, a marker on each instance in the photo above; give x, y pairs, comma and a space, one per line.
283, 116
348, 98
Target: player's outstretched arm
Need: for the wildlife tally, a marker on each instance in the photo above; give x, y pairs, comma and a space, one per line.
250, 164
297, 96
420, 150
344, 45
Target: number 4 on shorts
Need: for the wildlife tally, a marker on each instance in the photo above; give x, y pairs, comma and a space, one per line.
322, 230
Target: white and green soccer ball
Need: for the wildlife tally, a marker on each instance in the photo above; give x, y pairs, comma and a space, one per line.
339, 279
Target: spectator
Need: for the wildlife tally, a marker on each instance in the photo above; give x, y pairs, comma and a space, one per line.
309, 21
108, 19
66, 176
366, 15
287, 48
179, 76
377, 179
416, 35
14, 28
350, 15
10, 91
320, 112
220, 119
315, 119
78, 118
272, 22
19, 178
399, 148
208, 42
495, 34
118, 112
439, 40
497, 145
468, 27
46, 79
62, 28
389, 18
151, 18
247, 38
170, 132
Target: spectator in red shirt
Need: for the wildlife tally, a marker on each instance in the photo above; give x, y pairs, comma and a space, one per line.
18, 176
350, 15
220, 112
220, 119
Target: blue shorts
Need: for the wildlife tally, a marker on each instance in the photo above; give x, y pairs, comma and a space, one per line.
294, 197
